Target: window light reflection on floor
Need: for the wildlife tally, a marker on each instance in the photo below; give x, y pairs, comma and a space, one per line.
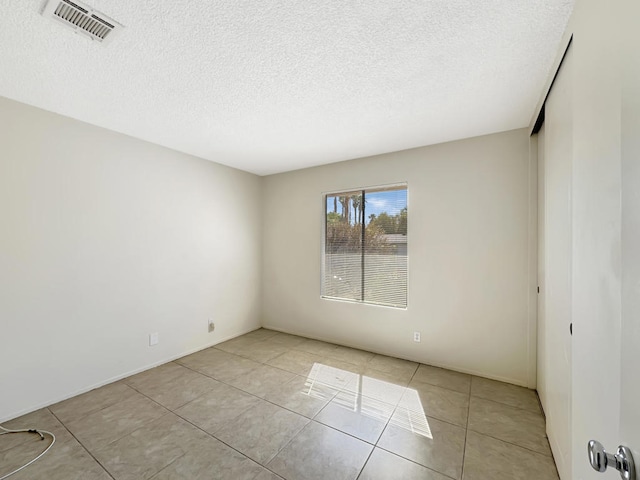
370, 397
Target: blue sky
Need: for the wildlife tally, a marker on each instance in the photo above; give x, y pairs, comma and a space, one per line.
390, 201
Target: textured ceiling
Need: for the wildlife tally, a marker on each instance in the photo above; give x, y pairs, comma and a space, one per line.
273, 85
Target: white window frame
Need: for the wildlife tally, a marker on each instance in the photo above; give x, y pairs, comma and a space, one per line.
323, 225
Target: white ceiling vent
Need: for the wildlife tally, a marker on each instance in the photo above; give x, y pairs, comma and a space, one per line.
82, 19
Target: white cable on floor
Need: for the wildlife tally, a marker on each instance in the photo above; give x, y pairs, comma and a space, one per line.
6, 431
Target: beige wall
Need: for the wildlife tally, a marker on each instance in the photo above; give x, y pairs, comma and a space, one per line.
105, 239
471, 255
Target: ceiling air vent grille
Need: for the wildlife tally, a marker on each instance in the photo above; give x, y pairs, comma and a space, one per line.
82, 19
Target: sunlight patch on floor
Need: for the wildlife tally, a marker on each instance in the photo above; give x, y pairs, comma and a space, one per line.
370, 397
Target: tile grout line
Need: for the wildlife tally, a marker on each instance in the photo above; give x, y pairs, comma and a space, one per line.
333, 397
222, 441
324, 357
199, 428
388, 423
507, 405
295, 348
375, 445
311, 419
244, 391
505, 441
366, 461
466, 433
259, 398
440, 386
514, 444
416, 463
121, 381
82, 445
396, 406
397, 454
166, 466
395, 409
345, 433
368, 361
286, 444
338, 391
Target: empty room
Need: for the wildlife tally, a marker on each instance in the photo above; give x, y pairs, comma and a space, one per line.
321, 240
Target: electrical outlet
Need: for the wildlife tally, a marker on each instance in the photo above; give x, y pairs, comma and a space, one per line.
153, 339
416, 336
211, 325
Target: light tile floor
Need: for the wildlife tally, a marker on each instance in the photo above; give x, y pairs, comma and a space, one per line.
269, 405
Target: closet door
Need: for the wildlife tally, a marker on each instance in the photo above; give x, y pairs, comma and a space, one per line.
555, 310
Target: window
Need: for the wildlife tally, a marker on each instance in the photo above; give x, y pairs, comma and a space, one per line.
365, 246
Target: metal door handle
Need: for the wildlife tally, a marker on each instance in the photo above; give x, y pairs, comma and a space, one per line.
622, 460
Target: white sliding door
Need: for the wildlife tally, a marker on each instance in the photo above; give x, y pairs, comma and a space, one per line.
554, 314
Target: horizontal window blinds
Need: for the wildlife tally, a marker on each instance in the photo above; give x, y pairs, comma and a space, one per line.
365, 246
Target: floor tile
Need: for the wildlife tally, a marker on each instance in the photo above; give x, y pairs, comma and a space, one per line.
230, 369
320, 453
323, 409
262, 431
383, 465
267, 475
512, 395
437, 402
238, 344
65, 461
434, 444
179, 390
261, 334
262, 380
486, 457
394, 366
357, 415
286, 339
263, 351
294, 361
210, 459
398, 378
377, 385
205, 360
98, 429
82, 405
41, 419
316, 347
509, 424
220, 405
337, 373
302, 395
154, 376
149, 449
460, 382
26, 446
10, 441
351, 355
